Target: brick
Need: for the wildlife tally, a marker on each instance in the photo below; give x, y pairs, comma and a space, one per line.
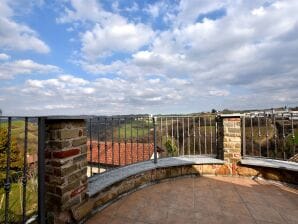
84, 149
79, 141
63, 171
80, 158
77, 175
73, 201
65, 154
56, 180
81, 211
68, 133
60, 162
54, 125
79, 190
56, 144
62, 190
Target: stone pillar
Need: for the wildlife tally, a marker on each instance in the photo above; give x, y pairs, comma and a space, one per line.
231, 137
66, 167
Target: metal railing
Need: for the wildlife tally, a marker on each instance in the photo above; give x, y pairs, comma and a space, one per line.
270, 134
186, 135
21, 197
115, 141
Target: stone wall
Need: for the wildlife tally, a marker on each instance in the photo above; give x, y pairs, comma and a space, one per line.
66, 167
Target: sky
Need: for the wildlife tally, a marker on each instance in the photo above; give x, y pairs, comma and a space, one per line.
103, 57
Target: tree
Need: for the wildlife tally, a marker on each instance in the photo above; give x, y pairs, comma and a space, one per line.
171, 147
213, 111
15, 154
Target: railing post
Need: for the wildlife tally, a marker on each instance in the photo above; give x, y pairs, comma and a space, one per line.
41, 170
65, 167
230, 137
155, 146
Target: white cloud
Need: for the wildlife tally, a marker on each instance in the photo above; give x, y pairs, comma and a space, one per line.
118, 36
9, 70
110, 32
17, 36
244, 59
4, 57
83, 11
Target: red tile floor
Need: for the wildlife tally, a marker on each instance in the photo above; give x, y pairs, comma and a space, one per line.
205, 200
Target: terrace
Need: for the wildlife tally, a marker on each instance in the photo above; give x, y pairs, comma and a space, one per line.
151, 169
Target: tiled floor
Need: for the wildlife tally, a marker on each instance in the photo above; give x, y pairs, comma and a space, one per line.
205, 200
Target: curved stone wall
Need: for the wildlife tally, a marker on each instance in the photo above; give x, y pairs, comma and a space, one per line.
130, 184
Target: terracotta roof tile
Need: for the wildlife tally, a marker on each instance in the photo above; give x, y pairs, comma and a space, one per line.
133, 152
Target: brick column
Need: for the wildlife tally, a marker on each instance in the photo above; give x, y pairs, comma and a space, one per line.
66, 167
231, 137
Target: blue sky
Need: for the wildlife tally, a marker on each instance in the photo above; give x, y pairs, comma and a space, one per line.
122, 57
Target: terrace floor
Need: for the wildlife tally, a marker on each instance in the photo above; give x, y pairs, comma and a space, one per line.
205, 200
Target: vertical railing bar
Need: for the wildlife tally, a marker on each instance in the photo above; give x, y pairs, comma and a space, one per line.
112, 127
161, 131
252, 135
194, 134
41, 171
293, 135
143, 138
172, 134
131, 141
166, 129
216, 136
183, 136
243, 137
259, 135
154, 140
137, 139
148, 122
211, 138
283, 137
119, 142
275, 136
200, 147
178, 145
205, 137
98, 145
267, 136
90, 145
188, 137
125, 140
24, 179
106, 146
7, 181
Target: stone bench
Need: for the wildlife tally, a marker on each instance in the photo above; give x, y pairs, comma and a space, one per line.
99, 182
270, 163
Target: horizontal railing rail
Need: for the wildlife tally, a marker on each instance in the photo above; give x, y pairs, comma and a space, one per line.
270, 134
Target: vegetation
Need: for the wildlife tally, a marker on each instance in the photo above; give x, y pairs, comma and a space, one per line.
171, 147
16, 200
135, 129
16, 166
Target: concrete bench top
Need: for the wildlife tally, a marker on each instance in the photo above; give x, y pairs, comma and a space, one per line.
99, 182
271, 163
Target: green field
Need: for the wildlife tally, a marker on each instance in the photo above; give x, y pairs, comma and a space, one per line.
135, 129
15, 201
